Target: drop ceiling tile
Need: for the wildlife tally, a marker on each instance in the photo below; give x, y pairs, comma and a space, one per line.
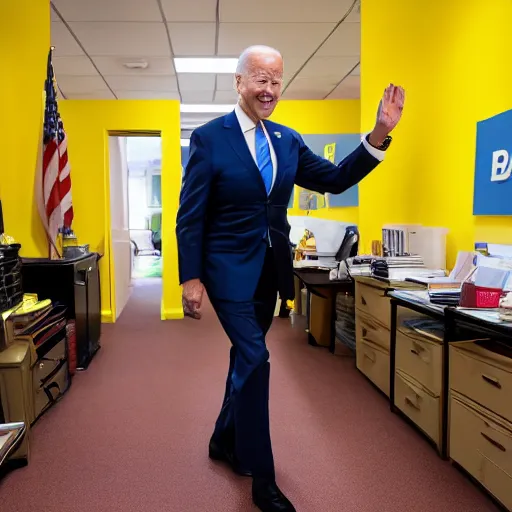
310, 88
91, 95
192, 39
345, 42
196, 96
226, 97
332, 67
81, 84
147, 95
291, 39
196, 81
225, 82
355, 14
108, 10
136, 39
283, 11
350, 88
310, 94
196, 10
54, 16
115, 65
77, 65
291, 66
64, 42
142, 83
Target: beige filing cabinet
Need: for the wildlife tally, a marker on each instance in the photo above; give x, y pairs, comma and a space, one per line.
16, 390
418, 373
373, 322
481, 414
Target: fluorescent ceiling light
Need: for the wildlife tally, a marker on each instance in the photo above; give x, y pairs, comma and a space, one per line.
206, 109
205, 65
185, 142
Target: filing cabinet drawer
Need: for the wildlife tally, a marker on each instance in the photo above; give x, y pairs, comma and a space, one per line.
421, 359
373, 301
481, 442
482, 375
367, 329
373, 361
419, 405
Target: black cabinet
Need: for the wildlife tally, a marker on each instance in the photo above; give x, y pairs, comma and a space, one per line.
76, 284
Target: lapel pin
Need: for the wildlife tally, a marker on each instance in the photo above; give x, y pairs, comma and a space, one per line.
277, 134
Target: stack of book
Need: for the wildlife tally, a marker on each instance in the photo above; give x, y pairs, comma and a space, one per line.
402, 267
445, 293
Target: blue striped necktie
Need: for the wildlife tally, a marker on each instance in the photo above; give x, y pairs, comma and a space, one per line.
263, 157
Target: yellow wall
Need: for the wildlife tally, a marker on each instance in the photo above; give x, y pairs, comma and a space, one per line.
453, 60
87, 124
321, 117
24, 45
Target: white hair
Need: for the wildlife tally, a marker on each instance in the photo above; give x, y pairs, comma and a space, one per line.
241, 67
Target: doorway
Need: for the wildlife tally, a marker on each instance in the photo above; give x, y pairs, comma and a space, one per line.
136, 213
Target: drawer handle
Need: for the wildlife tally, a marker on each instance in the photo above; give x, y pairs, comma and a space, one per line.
408, 401
372, 359
365, 332
417, 349
492, 381
363, 302
493, 442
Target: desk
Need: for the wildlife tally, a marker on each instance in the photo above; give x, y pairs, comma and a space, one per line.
317, 282
485, 321
480, 406
15, 433
418, 302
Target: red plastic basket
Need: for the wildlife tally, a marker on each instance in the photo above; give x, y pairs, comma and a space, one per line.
472, 296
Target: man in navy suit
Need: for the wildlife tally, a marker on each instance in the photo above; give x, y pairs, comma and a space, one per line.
232, 233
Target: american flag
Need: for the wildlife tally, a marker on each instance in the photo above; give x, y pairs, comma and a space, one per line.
54, 183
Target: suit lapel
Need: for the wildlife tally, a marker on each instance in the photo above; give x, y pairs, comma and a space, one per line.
237, 140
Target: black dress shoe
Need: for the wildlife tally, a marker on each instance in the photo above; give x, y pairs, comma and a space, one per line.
220, 453
269, 498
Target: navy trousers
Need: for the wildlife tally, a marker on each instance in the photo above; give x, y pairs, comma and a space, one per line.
243, 422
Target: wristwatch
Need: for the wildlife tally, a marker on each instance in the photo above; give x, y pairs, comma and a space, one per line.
384, 145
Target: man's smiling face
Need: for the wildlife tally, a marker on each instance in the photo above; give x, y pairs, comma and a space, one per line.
259, 84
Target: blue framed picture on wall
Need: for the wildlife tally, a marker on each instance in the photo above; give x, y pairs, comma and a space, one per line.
493, 166
335, 148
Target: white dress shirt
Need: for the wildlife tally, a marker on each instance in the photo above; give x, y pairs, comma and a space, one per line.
248, 127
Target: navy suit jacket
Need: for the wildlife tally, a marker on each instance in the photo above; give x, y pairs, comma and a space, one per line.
225, 211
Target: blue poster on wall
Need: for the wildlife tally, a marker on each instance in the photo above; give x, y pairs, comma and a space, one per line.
336, 148
493, 166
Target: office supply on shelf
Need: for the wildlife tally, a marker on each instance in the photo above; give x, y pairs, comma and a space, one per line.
400, 268
463, 267
500, 250
445, 296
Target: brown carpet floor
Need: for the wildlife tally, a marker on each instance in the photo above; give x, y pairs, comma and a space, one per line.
132, 433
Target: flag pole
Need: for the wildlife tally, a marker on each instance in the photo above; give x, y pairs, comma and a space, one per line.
51, 95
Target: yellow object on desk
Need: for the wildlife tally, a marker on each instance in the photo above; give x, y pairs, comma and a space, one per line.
290, 304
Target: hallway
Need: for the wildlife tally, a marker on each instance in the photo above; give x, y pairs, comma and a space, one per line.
131, 435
